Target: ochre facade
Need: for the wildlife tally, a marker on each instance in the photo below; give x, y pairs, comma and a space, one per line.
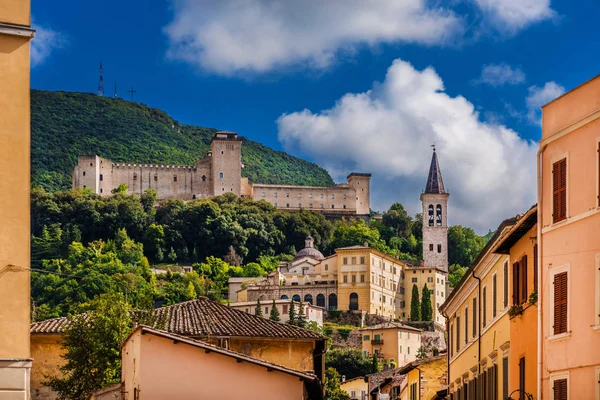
15, 36
218, 173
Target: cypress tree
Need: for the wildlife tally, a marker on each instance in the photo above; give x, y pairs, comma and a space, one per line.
258, 312
292, 320
274, 316
426, 309
301, 317
415, 305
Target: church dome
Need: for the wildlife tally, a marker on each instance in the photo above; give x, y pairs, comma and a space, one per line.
309, 250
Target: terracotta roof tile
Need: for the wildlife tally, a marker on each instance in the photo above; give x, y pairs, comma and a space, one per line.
54, 325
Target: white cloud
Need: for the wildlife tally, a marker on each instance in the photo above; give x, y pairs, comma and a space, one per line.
255, 36
501, 74
513, 15
44, 43
538, 97
488, 169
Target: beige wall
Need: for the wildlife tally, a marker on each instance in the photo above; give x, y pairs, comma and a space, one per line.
429, 379
14, 203
226, 160
396, 345
295, 354
358, 386
571, 129
321, 199
160, 369
46, 352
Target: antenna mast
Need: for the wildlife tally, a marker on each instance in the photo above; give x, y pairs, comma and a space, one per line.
101, 83
116, 95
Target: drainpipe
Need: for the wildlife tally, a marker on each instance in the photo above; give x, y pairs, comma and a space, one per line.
420, 372
539, 271
479, 325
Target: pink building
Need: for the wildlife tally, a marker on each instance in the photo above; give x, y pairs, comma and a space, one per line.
569, 228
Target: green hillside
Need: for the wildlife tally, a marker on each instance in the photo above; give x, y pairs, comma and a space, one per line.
66, 124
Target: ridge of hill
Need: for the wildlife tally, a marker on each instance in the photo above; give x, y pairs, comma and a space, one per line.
66, 124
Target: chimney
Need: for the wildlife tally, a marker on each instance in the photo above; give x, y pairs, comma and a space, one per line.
343, 378
366, 244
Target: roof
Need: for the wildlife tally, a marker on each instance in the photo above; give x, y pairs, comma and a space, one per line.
203, 317
572, 90
412, 365
306, 376
524, 225
354, 379
435, 183
243, 279
391, 325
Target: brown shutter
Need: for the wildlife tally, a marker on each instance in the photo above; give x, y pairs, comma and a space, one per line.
515, 288
535, 268
560, 303
523, 279
559, 190
560, 389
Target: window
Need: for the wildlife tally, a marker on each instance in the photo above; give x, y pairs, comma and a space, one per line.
414, 280
175, 178
333, 206
451, 341
520, 281
91, 164
560, 389
345, 260
535, 268
474, 316
466, 325
413, 391
155, 177
504, 378
321, 195
221, 176
559, 190
310, 195
101, 190
204, 180
300, 195
287, 205
287, 195
458, 333
134, 177
275, 194
83, 173
299, 205
362, 277
362, 260
353, 260
345, 278
285, 308
484, 306
310, 205
522, 377
560, 303
326, 267
353, 278
505, 276
333, 196
321, 206
438, 215
439, 248
430, 212
494, 295
101, 177
275, 204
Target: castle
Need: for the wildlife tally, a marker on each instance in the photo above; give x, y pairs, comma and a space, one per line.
218, 173
361, 278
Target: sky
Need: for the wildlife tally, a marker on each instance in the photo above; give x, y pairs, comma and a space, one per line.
364, 86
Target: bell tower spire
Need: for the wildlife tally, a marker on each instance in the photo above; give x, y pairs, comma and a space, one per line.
435, 218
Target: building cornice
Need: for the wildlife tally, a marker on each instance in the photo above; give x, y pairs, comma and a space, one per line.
16, 30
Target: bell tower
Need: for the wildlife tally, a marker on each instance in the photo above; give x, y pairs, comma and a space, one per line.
435, 218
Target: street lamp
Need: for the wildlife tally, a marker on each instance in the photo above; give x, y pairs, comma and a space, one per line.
528, 395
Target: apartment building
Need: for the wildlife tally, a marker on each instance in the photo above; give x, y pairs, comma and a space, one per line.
393, 343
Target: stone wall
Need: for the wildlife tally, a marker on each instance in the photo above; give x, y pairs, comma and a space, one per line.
270, 292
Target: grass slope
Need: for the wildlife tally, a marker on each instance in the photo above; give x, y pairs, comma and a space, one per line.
66, 124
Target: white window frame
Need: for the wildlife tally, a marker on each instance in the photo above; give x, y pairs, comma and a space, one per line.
562, 375
564, 268
552, 161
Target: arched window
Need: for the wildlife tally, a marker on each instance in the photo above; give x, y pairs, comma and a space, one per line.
203, 178
284, 297
438, 214
431, 215
321, 300
308, 298
353, 302
296, 297
332, 302
221, 175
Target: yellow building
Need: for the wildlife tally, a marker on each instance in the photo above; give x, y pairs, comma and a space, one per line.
15, 36
394, 344
436, 281
479, 325
520, 243
424, 378
357, 388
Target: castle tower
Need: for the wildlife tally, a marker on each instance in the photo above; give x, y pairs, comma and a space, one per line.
362, 184
435, 218
226, 163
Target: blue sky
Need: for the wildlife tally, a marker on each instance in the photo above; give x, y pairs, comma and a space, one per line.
352, 85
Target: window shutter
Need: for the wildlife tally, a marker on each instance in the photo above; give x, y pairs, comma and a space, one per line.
515, 291
484, 307
559, 181
523, 279
535, 267
494, 295
505, 284
560, 303
560, 389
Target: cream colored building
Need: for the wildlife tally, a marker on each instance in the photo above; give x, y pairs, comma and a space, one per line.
218, 173
394, 344
311, 312
437, 284
424, 379
357, 388
15, 355
479, 325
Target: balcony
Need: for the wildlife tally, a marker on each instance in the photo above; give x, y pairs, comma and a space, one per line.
377, 341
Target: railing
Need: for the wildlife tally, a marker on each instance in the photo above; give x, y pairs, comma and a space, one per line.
377, 341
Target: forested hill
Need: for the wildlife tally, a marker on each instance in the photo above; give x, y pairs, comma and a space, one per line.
66, 124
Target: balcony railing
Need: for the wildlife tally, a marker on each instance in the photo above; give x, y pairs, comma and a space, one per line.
377, 341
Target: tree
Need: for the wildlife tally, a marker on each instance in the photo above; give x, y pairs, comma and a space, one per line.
456, 272
92, 343
422, 352
122, 188
415, 305
301, 317
375, 366
258, 311
292, 313
463, 245
426, 309
350, 362
332, 386
172, 255
274, 316
190, 292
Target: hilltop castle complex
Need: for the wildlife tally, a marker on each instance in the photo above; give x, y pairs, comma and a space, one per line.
218, 173
360, 278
